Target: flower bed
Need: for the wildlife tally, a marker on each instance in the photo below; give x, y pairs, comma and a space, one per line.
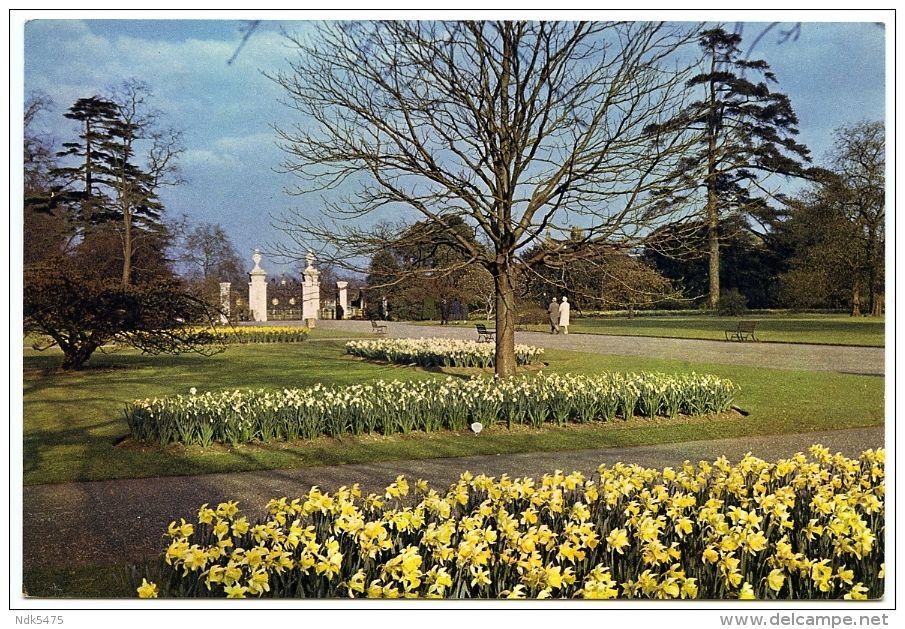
400, 407
438, 352
794, 529
270, 334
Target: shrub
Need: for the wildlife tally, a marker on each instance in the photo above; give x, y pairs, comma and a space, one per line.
732, 304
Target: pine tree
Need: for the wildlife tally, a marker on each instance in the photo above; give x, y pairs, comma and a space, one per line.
115, 185
82, 182
744, 133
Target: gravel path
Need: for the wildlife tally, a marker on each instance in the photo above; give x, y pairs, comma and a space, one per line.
835, 358
101, 522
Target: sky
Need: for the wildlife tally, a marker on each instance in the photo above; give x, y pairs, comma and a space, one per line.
834, 73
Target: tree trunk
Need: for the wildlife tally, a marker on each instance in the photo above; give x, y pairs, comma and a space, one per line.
505, 322
876, 304
75, 355
127, 248
714, 262
873, 262
713, 215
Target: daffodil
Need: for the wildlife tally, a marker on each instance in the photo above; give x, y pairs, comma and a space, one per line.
235, 591
857, 593
617, 540
776, 579
147, 590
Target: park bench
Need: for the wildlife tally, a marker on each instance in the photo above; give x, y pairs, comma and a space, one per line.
484, 335
744, 331
378, 329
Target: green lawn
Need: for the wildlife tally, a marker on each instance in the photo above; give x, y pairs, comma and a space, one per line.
71, 421
775, 328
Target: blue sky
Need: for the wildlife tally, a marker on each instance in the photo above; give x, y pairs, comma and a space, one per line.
834, 74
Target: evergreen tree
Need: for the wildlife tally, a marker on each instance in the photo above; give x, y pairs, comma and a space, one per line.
744, 133
116, 182
82, 183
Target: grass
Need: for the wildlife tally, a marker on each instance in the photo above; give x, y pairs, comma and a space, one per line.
106, 581
320, 333
771, 328
72, 421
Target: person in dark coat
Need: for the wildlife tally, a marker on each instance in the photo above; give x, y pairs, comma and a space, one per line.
553, 309
456, 310
444, 312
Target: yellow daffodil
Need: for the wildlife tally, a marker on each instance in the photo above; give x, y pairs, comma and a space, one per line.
617, 540
857, 593
235, 591
747, 592
147, 590
776, 579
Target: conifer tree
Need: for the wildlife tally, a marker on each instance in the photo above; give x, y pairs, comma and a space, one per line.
744, 133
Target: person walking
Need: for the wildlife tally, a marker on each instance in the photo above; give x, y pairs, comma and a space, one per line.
444, 312
564, 316
553, 309
456, 310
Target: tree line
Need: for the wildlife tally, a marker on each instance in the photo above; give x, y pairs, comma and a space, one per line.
618, 163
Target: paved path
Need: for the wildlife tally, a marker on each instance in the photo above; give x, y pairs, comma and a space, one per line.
94, 523
836, 358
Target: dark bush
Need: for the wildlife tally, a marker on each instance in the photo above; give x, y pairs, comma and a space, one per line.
732, 304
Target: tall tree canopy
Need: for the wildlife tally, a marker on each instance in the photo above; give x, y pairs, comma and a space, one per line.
118, 165
514, 127
744, 133
837, 230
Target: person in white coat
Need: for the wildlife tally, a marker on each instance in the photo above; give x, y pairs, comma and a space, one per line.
564, 316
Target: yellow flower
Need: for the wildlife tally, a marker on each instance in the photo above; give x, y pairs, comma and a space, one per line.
240, 527
205, 515
147, 590
617, 540
846, 576
356, 583
747, 592
235, 591
690, 588
479, 576
259, 582
776, 579
183, 530
755, 542
516, 592
227, 509
553, 576
857, 593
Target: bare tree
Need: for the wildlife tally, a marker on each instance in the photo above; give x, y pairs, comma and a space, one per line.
136, 133
516, 128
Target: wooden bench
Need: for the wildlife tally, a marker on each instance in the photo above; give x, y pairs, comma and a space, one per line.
485, 335
378, 329
744, 331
